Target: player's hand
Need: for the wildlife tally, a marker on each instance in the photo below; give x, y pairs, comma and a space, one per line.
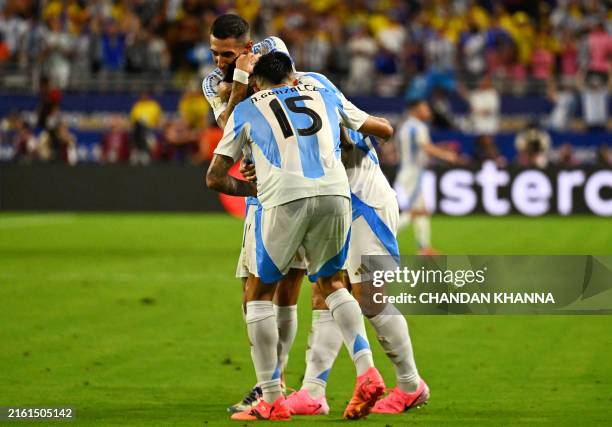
248, 171
224, 91
246, 61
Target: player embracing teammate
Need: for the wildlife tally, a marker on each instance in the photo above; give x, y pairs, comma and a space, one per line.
291, 130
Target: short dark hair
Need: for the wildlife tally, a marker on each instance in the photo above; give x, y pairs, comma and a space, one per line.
415, 102
229, 26
273, 67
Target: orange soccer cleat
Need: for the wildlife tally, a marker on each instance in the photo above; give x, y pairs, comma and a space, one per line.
370, 386
264, 411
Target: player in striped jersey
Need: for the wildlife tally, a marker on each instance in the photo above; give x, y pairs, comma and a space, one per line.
230, 43
235, 53
415, 147
294, 134
374, 227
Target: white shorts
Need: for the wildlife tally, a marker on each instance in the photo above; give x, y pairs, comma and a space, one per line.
373, 232
247, 258
320, 225
409, 189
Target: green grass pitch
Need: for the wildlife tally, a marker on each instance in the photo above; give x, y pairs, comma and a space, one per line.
134, 319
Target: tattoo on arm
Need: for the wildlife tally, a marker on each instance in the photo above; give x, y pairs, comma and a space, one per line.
217, 179
239, 92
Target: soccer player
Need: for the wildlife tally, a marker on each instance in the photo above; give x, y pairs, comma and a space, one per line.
294, 135
375, 218
414, 147
234, 52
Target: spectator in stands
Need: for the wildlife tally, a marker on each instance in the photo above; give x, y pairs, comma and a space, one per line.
362, 48
58, 144
565, 157
16, 139
316, 49
57, 51
113, 42
14, 28
568, 57
533, 146
146, 54
146, 118
193, 108
542, 61
485, 105
604, 156
564, 105
472, 48
179, 141
5, 54
596, 54
48, 106
439, 58
115, 147
486, 149
391, 37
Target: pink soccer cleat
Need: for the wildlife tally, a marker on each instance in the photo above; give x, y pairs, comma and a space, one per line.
370, 386
398, 401
300, 403
264, 411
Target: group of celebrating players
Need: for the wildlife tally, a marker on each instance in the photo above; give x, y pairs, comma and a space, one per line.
317, 201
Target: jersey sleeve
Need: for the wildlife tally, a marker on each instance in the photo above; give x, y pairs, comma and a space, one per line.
350, 116
422, 137
210, 86
272, 44
235, 136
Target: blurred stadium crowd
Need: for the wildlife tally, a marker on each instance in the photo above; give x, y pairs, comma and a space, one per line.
467, 51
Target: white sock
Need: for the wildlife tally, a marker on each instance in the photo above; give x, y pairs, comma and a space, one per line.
324, 343
347, 314
422, 231
263, 335
392, 332
287, 322
404, 220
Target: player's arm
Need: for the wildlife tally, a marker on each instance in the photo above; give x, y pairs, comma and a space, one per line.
356, 119
377, 126
442, 154
353, 118
240, 85
218, 179
424, 140
227, 153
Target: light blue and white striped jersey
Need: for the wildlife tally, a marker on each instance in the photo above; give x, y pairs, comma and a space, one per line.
210, 84
366, 179
412, 136
294, 135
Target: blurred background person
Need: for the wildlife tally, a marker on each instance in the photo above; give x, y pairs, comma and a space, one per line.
362, 48
596, 57
565, 157
146, 118
486, 149
115, 146
533, 146
485, 106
